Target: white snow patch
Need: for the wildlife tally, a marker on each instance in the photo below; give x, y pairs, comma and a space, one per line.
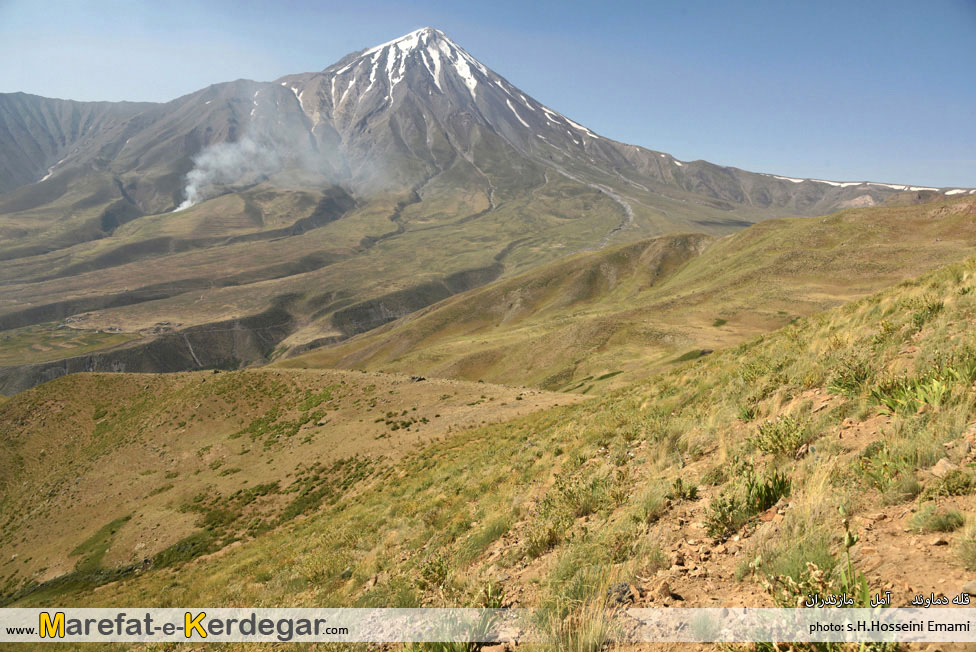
888, 185
678, 163
346, 92
50, 170
372, 72
791, 179
391, 57
509, 102
957, 191
474, 62
527, 103
464, 70
917, 188
208, 101
502, 86
434, 65
580, 127
405, 42
839, 184
550, 116
284, 83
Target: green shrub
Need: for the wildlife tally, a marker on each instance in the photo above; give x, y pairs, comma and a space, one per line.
433, 572
881, 468
681, 491
906, 395
928, 309
764, 492
582, 496
785, 435
726, 514
957, 482
851, 375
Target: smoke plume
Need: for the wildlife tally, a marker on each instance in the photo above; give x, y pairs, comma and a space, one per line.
248, 159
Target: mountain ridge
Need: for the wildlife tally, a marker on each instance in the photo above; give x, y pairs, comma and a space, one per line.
348, 197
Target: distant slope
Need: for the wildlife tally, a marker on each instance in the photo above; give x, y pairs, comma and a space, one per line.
629, 310
350, 197
39, 134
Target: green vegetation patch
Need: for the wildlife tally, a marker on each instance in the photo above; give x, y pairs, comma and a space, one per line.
92, 550
53, 341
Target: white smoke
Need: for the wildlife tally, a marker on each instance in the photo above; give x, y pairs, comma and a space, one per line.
227, 163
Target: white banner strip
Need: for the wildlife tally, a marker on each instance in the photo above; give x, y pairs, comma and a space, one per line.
263, 625
483, 625
798, 625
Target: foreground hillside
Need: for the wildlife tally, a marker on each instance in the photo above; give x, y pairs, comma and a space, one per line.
610, 317
717, 483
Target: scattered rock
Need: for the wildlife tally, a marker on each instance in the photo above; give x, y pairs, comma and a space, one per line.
939, 541
663, 591
969, 587
942, 467
346, 574
802, 451
677, 558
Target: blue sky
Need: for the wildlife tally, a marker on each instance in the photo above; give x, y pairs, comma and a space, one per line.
864, 90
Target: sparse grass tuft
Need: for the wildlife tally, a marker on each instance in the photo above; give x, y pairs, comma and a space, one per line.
931, 519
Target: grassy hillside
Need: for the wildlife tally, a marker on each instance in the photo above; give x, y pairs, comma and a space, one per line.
150, 457
605, 318
322, 252
77, 245
712, 484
